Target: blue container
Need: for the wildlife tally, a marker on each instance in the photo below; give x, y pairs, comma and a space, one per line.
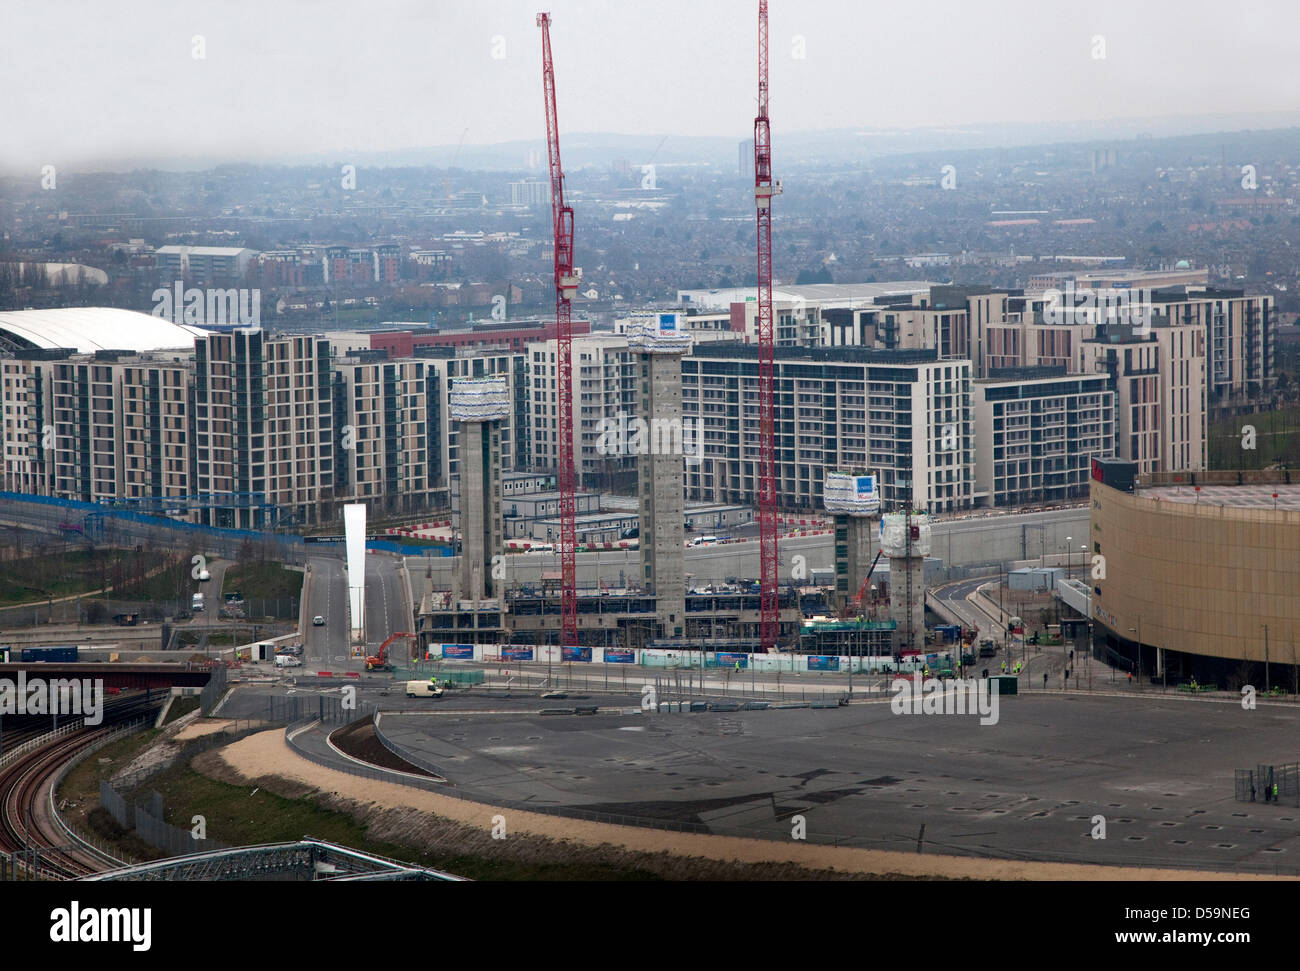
51, 655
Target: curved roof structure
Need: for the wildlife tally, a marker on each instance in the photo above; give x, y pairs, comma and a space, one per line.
90, 329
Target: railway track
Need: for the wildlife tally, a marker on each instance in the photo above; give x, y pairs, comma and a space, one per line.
26, 821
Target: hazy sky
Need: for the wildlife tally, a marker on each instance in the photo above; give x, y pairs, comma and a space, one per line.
108, 79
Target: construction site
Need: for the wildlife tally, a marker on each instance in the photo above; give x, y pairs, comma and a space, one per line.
875, 603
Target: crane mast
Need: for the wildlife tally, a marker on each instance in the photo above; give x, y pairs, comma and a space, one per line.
566, 285
764, 189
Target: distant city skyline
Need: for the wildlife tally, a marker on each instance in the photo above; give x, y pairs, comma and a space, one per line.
87, 86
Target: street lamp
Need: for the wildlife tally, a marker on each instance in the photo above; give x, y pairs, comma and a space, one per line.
1068, 541
1138, 630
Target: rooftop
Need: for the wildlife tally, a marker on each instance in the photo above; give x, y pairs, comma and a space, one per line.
204, 250
820, 293
90, 329
1249, 496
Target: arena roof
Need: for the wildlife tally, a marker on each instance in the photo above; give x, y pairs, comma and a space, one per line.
90, 329
1247, 496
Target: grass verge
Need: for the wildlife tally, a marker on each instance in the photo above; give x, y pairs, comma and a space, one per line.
265, 581
244, 814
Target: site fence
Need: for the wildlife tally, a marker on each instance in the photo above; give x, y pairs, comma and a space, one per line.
1257, 784
86, 840
424, 670
214, 690
292, 709
147, 822
110, 526
146, 817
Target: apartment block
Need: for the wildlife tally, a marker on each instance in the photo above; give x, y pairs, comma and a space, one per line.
1037, 431
203, 265
605, 387
1159, 375
906, 414
388, 263
263, 426
24, 416
381, 449
97, 426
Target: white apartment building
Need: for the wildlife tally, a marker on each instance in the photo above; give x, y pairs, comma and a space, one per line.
604, 387
906, 414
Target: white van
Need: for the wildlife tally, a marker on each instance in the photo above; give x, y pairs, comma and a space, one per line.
422, 689
287, 661
196, 602
704, 541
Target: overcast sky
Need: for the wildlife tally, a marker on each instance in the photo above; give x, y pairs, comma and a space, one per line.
99, 80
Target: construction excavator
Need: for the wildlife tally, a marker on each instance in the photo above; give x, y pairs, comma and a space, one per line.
857, 600
379, 660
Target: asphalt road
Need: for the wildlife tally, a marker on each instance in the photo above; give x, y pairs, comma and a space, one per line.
958, 598
386, 608
328, 598
387, 611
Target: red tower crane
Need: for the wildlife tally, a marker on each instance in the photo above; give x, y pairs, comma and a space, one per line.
764, 189
566, 285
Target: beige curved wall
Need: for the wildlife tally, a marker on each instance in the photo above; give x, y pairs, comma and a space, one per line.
1203, 579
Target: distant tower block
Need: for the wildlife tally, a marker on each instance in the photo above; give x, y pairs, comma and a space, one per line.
854, 500
662, 446
905, 539
479, 405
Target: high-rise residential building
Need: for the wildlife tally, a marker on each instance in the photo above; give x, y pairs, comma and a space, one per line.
1037, 431
1159, 375
1240, 333
263, 426
906, 414
530, 192
381, 449
604, 393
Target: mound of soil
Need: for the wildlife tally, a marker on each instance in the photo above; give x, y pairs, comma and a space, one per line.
359, 741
